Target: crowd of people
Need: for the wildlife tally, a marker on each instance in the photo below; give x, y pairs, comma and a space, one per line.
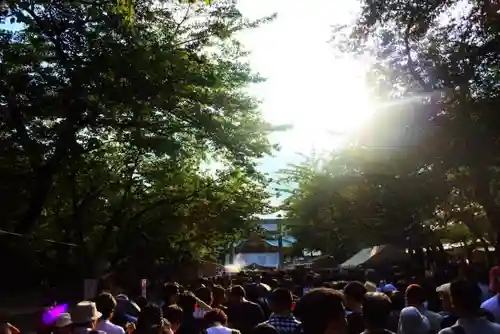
261, 304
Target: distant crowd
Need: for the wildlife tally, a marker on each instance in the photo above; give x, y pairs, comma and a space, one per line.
258, 303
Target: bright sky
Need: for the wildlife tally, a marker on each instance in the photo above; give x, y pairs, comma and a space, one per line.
307, 85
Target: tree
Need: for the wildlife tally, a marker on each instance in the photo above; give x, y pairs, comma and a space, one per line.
441, 57
106, 127
348, 202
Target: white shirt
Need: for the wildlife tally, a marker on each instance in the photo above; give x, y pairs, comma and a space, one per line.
108, 327
219, 330
492, 305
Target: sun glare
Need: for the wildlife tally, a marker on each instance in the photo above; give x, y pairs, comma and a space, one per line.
339, 106
323, 97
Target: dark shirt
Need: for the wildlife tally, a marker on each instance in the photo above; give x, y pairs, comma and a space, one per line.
284, 324
244, 316
355, 323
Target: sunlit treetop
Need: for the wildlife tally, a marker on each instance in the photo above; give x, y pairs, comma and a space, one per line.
126, 7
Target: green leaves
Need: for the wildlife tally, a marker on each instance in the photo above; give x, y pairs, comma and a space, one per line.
106, 126
433, 81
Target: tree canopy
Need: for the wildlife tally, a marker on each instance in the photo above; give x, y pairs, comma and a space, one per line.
430, 156
110, 131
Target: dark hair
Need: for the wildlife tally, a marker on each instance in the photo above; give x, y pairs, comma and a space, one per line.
281, 299
318, 308
173, 313
238, 291
141, 301
218, 291
265, 328
204, 294
188, 303
151, 315
376, 309
355, 291
215, 315
466, 294
415, 293
106, 304
170, 289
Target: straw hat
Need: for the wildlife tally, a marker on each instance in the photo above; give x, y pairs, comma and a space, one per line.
63, 320
85, 312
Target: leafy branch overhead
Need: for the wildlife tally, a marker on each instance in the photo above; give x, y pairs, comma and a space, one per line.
110, 131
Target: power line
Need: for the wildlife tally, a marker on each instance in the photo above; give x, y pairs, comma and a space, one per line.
33, 238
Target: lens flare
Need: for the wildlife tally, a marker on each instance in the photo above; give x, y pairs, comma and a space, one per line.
50, 316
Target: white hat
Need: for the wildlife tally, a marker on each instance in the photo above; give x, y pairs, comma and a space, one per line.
63, 320
85, 312
444, 288
370, 287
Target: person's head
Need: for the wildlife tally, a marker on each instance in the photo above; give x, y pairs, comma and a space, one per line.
465, 297
174, 315
354, 292
219, 294
415, 295
443, 292
150, 316
265, 328
237, 293
215, 316
376, 310
188, 303
63, 324
141, 301
171, 293
495, 279
85, 314
281, 301
411, 321
106, 304
322, 312
205, 295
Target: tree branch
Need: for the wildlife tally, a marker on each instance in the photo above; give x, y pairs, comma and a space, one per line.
411, 64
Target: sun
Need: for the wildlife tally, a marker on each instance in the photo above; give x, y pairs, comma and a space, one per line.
338, 108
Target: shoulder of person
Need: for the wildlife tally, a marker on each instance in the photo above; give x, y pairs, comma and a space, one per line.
96, 331
490, 302
447, 330
435, 314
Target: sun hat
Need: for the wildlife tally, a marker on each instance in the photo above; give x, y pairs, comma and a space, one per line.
370, 287
444, 288
85, 312
63, 320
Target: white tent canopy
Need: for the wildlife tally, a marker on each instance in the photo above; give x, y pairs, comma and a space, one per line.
380, 254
